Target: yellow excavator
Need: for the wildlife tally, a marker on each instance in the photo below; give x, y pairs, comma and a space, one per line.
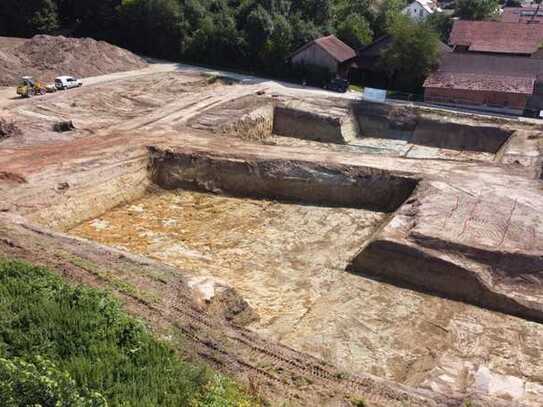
28, 87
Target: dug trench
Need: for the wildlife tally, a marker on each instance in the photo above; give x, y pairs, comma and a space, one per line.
387, 127
281, 233
280, 228
358, 126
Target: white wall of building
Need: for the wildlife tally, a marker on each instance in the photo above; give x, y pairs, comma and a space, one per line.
416, 11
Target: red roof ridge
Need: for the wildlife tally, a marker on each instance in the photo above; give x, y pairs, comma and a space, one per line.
340, 51
497, 36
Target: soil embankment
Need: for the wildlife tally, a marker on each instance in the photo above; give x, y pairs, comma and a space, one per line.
46, 57
284, 180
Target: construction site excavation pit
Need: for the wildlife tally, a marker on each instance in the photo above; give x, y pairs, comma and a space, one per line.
288, 261
281, 257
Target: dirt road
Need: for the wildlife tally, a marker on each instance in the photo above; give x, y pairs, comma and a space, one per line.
8, 95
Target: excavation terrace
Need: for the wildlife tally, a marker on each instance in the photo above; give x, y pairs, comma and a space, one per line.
320, 249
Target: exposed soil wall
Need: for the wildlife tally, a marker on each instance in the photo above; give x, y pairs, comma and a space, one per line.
381, 120
405, 265
291, 122
254, 126
459, 136
63, 201
285, 180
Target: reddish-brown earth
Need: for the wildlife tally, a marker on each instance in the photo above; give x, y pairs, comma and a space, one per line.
46, 57
411, 260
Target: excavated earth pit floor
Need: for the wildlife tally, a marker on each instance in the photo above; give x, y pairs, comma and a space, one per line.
384, 147
288, 261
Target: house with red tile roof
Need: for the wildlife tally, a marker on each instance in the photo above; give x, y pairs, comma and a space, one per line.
528, 15
496, 37
489, 82
326, 52
494, 65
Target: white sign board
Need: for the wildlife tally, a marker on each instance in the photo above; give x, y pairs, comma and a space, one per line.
377, 95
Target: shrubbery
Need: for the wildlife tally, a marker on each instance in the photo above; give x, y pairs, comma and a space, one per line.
40, 382
61, 345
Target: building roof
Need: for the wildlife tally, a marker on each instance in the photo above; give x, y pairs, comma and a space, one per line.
511, 74
508, 65
481, 82
336, 48
497, 37
521, 15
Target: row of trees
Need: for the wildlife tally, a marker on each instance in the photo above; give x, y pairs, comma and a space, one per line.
255, 34
249, 34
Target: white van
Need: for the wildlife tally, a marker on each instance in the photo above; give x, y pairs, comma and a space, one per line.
67, 82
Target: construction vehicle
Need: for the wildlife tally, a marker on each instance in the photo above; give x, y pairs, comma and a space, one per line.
29, 87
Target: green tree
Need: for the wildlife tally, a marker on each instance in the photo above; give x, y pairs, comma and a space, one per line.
278, 46
258, 28
440, 23
152, 27
477, 9
45, 18
317, 11
218, 40
96, 18
303, 31
344, 8
28, 17
355, 30
413, 53
388, 12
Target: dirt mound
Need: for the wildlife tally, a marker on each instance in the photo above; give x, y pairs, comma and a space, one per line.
46, 57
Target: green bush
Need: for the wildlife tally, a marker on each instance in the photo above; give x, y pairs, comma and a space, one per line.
80, 339
41, 383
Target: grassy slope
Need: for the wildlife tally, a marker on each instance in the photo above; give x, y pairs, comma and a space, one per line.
84, 334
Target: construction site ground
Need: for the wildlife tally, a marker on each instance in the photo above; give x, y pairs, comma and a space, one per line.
377, 267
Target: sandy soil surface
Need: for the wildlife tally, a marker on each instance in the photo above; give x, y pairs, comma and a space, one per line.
385, 147
288, 261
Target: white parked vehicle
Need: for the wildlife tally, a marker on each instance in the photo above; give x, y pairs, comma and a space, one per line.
67, 82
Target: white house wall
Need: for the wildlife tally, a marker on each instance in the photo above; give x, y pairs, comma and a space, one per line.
416, 12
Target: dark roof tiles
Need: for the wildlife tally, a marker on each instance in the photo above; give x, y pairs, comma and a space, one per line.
480, 82
511, 74
336, 48
497, 37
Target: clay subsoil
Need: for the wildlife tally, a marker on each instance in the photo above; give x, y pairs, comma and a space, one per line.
46, 57
307, 299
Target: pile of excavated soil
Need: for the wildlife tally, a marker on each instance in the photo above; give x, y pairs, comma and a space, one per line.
46, 57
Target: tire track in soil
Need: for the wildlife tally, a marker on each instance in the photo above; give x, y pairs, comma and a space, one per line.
287, 364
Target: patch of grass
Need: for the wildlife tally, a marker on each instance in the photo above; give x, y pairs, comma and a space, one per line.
359, 403
211, 79
356, 88
113, 280
80, 339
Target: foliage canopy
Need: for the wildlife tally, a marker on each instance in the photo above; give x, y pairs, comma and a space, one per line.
73, 346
